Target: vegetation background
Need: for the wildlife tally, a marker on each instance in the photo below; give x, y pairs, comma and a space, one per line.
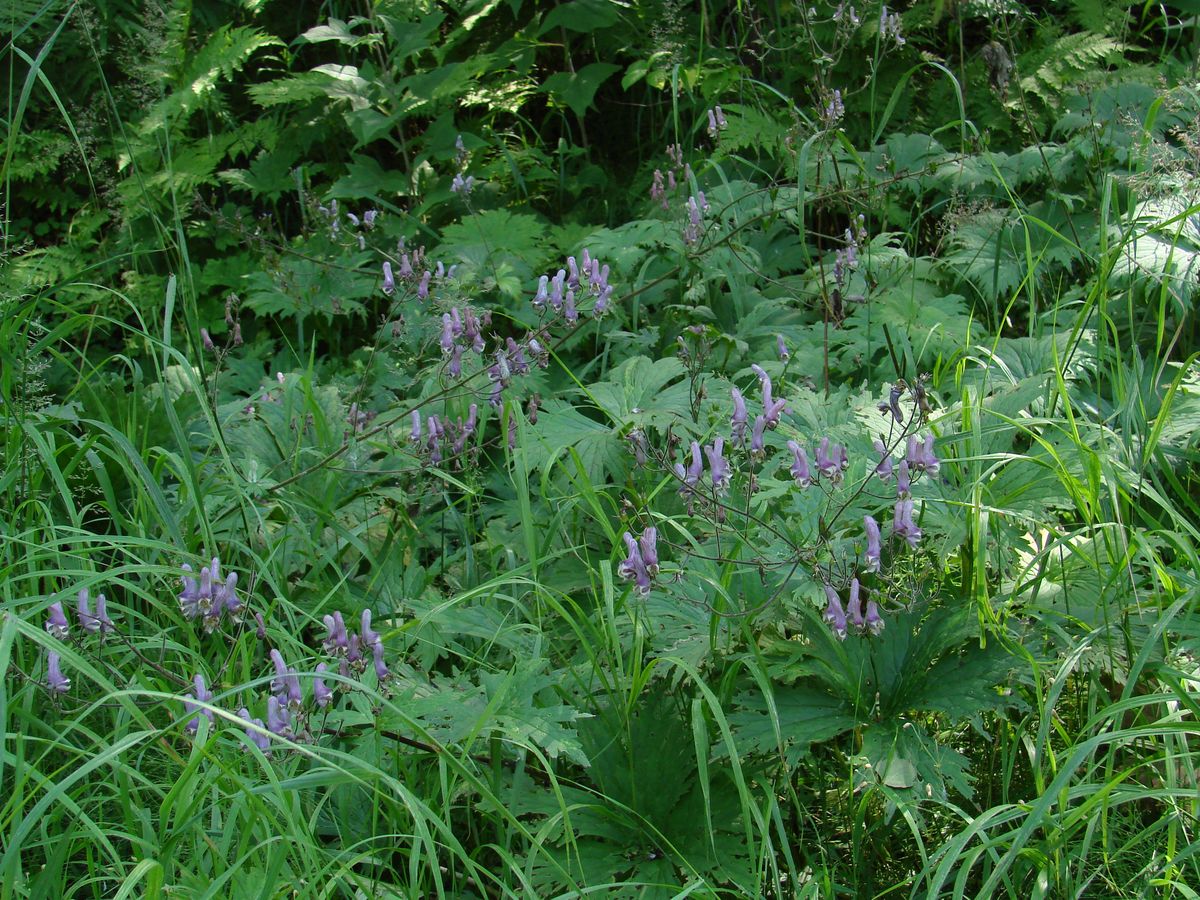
630, 448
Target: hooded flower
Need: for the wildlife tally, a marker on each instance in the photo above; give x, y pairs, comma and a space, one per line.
336, 641
903, 525
200, 694
800, 470
834, 614
56, 622
718, 466
255, 733
322, 695
740, 417
874, 620
370, 638
633, 566
884, 467
56, 681
648, 544
854, 606
872, 556
389, 280
757, 445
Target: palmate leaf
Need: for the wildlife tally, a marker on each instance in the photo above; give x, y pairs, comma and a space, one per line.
982, 250
561, 427
803, 715
644, 392
905, 757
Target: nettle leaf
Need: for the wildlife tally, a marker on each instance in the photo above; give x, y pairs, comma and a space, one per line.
645, 392
496, 236
985, 251
515, 701
906, 758
577, 89
561, 427
798, 717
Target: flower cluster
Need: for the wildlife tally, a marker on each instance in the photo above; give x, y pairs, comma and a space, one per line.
641, 561
288, 709
462, 330
585, 275
697, 206
834, 110
210, 597
846, 259
852, 615
716, 122
57, 625
410, 264
661, 186
889, 27
443, 438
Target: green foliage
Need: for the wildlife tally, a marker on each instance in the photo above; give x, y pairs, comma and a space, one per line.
202, 353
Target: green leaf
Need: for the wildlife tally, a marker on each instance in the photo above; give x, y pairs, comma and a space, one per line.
577, 89
584, 16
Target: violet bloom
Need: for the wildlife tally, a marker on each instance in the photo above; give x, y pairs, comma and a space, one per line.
206, 340
718, 466
648, 544
854, 606
225, 596
423, 287
381, 670
200, 694
884, 468
261, 631
322, 695
389, 280
633, 566
691, 475
56, 681
278, 720
929, 461
56, 622
757, 446
336, 641
254, 731
740, 417
87, 621
873, 548
415, 434
903, 481
874, 621
454, 367
828, 461
834, 614
891, 407
781, 348
447, 340
903, 525
800, 470
369, 637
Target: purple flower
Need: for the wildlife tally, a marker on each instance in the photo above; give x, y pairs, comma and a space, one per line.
633, 566
336, 641
740, 417
691, 475
772, 408
884, 468
854, 606
278, 720
322, 695
903, 482
926, 459
874, 620
415, 434
423, 287
225, 596
903, 525
255, 732
829, 460
200, 694
718, 466
447, 340
370, 638
261, 631
56, 622
206, 340
648, 544
781, 348
834, 614
800, 470
100, 622
87, 621
873, 550
56, 681
891, 407
381, 670
389, 280
757, 446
